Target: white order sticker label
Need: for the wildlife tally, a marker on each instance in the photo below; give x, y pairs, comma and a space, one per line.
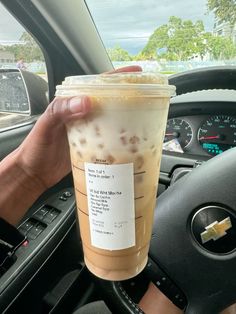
110, 191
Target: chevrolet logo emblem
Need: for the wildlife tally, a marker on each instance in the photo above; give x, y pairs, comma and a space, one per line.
216, 230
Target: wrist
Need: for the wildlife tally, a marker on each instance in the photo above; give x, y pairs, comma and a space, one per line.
30, 179
18, 189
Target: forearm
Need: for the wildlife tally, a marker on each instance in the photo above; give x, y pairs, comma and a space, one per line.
18, 190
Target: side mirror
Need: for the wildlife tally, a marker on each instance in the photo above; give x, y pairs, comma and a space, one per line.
22, 92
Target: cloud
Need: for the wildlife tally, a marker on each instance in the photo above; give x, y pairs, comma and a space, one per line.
127, 23
130, 23
13, 30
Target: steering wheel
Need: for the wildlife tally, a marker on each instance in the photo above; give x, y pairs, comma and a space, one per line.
193, 246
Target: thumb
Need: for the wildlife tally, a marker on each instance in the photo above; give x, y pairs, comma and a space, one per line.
59, 111
66, 109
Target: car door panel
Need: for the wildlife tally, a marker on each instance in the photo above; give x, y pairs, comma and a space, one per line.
10, 139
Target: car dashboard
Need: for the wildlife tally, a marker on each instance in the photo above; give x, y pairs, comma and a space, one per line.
201, 123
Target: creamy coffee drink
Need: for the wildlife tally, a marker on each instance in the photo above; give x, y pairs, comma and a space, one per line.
115, 155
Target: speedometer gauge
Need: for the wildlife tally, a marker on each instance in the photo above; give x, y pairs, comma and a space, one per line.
218, 134
180, 130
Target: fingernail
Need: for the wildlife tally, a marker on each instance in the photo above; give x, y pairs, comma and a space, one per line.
78, 104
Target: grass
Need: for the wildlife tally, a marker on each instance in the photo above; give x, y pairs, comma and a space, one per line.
168, 72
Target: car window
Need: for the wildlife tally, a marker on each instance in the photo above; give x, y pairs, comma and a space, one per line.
22, 66
167, 36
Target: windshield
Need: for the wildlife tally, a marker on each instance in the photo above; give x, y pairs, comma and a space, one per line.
167, 36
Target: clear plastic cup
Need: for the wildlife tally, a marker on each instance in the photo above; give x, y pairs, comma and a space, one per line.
115, 155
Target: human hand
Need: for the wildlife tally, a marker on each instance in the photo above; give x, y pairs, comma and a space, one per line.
44, 154
154, 301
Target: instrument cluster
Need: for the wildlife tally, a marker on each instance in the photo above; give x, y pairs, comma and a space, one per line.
203, 135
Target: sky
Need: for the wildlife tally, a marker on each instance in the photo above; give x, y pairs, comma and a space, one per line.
10, 29
127, 23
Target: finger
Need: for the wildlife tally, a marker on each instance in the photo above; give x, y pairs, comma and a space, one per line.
65, 109
131, 68
60, 111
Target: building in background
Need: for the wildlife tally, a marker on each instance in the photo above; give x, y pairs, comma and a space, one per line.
6, 57
224, 29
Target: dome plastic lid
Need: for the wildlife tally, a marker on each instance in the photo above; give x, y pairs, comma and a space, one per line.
143, 82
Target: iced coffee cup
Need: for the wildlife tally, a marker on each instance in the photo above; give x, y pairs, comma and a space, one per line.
115, 155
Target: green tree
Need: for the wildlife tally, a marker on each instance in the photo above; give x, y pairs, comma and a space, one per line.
142, 57
28, 50
179, 39
31, 50
221, 48
224, 10
118, 54
159, 39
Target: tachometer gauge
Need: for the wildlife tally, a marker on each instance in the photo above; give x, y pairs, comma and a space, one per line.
180, 130
218, 134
